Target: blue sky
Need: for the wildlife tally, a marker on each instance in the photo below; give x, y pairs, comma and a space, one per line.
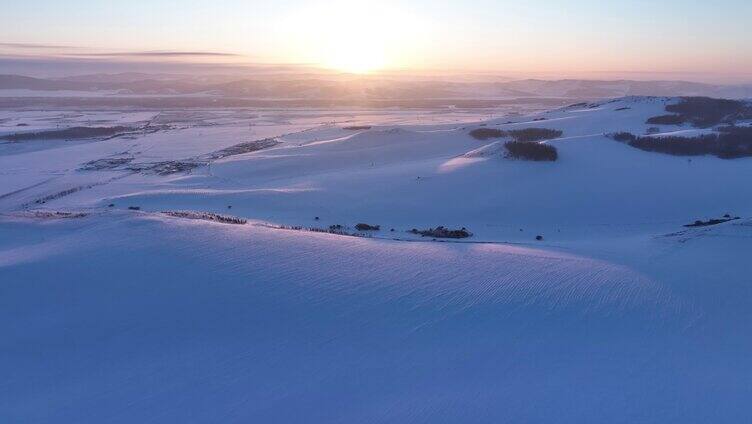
517, 36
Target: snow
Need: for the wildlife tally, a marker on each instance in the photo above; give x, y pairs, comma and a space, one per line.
620, 314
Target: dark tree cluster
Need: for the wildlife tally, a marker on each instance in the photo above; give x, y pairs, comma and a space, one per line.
525, 134
666, 120
714, 221
245, 147
442, 232
67, 134
703, 112
729, 143
675, 145
529, 150
487, 133
734, 142
534, 134
624, 137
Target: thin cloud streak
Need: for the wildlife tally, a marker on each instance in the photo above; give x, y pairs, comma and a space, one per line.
158, 54
35, 46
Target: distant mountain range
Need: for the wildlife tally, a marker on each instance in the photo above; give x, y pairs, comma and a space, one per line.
362, 88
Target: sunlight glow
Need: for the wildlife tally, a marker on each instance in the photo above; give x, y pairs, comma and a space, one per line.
350, 36
358, 52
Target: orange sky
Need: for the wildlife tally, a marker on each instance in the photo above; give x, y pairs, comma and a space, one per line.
567, 38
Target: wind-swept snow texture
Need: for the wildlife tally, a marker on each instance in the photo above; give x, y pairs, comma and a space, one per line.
113, 311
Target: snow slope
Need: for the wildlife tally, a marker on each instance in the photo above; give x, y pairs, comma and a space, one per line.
620, 314
134, 317
405, 177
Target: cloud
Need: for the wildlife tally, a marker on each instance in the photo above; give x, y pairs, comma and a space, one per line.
143, 54
160, 54
34, 46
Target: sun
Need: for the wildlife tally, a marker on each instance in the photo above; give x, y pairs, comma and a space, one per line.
353, 36
358, 54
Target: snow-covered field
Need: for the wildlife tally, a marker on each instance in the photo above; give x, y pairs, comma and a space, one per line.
113, 311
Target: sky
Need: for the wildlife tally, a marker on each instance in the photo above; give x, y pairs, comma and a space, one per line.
568, 38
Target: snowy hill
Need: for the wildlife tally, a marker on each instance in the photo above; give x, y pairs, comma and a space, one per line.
587, 291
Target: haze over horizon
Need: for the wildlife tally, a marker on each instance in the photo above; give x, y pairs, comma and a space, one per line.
673, 40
